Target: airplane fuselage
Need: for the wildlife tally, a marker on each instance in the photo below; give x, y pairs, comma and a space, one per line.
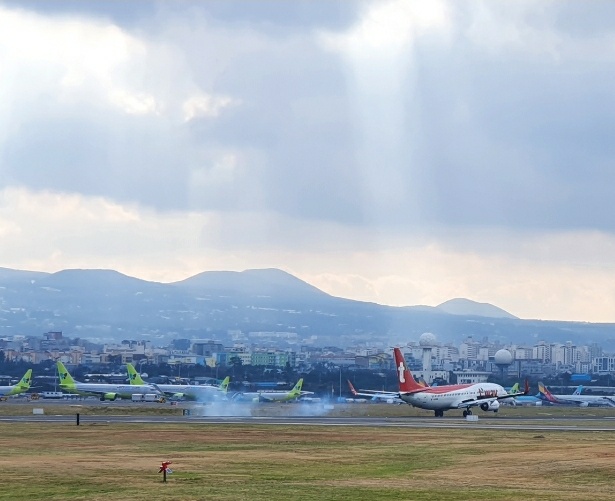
121, 390
190, 391
586, 400
441, 398
7, 391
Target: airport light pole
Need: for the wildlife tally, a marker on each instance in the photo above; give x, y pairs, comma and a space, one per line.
141, 362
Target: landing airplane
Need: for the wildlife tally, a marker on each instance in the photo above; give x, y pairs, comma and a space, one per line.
390, 397
16, 389
200, 393
487, 396
576, 399
104, 391
276, 396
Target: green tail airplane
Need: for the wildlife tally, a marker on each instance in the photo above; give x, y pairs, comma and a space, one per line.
16, 389
276, 396
198, 392
104, 391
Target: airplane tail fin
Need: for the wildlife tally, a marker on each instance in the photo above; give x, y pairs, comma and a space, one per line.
514, 389
26, 380
352, 390
66, 380
579, 390
297, 388
545, 393
406, 382
296, 391
133, 375
224, 384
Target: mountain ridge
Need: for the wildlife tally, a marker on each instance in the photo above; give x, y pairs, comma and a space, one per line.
264, 306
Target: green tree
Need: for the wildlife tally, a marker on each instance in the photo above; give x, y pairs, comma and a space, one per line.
236, 363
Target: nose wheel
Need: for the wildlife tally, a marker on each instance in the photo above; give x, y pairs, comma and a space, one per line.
467, 413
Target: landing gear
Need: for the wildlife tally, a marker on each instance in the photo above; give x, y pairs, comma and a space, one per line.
439, 413
467, 413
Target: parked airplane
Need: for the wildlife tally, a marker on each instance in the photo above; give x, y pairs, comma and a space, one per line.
104, 391
521, 399
513, 389
15, 389
390, 397
275, 396
487, 396
576, 399
198, 392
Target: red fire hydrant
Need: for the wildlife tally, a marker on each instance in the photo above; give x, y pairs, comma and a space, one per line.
164, 469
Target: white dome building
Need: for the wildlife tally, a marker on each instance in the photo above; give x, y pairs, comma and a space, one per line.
503, 358
427, 341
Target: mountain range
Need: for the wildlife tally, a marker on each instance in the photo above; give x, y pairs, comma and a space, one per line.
265, 306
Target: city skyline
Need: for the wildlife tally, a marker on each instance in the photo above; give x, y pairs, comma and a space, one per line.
402, 153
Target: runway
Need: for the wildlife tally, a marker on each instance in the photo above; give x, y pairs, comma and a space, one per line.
590, 424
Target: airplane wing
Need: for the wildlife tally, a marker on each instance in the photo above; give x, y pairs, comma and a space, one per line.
377, 392
491, 399
372, 393
387, 396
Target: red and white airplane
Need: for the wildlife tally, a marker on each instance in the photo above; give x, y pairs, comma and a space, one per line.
487, 396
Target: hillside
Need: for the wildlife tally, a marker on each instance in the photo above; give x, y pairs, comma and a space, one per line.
265, 307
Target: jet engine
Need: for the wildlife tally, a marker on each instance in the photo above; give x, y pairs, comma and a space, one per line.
493, 406
109, 396
584, 404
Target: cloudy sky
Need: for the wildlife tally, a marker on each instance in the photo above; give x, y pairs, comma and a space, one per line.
399, 152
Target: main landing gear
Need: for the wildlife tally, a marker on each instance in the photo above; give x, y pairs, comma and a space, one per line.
467, 413
439, 413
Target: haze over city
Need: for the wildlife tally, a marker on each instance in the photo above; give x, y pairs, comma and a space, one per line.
397, 152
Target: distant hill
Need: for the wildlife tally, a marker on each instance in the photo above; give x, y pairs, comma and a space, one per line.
266, 307
461, 306
266, 282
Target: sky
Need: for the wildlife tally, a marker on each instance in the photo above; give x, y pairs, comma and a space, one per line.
395, 151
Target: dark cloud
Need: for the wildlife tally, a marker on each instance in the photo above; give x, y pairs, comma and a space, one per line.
516, 142
127, 14
263, 15
491, 133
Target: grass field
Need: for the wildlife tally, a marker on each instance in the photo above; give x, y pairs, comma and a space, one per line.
268, 463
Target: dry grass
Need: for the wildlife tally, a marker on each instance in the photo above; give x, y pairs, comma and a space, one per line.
229, 462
